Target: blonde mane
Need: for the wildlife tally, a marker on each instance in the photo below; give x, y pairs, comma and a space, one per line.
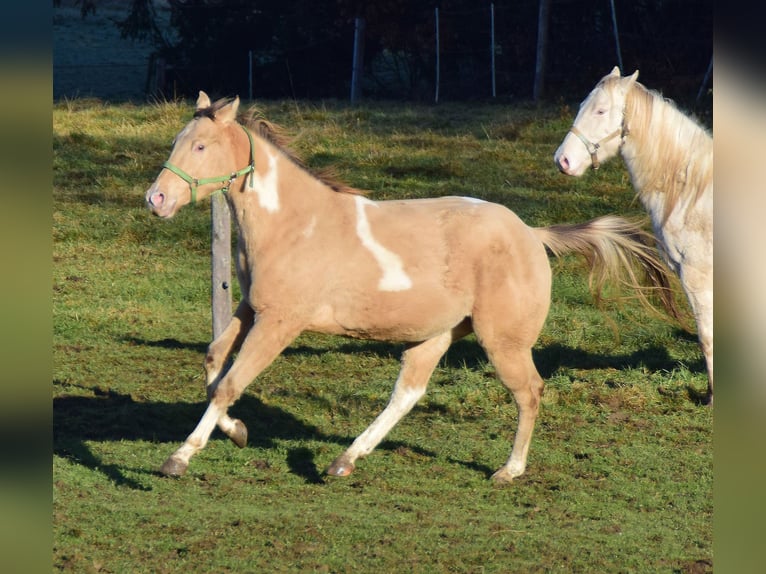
276, 136
674, 154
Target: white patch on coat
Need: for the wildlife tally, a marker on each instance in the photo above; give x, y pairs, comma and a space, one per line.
309, 230
266, 185
394, 278
473, 200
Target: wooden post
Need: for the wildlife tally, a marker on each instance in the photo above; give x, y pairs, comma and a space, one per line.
542, 49
436, 96
358, 61
250, 74
617, 38
220, 264
492, 34
705, 80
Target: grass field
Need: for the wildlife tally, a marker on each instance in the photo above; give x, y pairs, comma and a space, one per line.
620, 468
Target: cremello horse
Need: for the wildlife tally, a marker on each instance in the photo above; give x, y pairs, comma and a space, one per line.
670, 160
316, 256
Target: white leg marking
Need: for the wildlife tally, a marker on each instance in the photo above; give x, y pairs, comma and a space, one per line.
402, 401
394, 278
197, 440
266, 186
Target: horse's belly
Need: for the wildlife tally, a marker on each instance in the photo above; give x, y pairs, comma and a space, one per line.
391, 317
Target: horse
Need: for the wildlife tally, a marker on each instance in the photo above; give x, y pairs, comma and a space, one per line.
670, 160
317, 255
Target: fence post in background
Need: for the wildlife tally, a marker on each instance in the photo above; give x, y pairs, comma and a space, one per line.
542, 49
492, 34
358, 61
617, 38
436, 95
250, 75
705, 80
220, 264
159, 75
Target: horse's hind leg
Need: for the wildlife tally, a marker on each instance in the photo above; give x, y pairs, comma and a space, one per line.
217, 353
518, 373
418, 362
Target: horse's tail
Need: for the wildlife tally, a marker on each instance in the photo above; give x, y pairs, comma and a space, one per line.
618, 251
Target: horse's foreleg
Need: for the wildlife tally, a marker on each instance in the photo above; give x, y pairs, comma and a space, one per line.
265, 341
229, 340
217, 354
699, 290
705, 332
418, 362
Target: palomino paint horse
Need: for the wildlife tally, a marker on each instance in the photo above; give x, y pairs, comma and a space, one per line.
670, 160
323, 258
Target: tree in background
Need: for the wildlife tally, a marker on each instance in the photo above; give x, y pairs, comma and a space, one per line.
304, 48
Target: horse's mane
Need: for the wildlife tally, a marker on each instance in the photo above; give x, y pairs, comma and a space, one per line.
276, 136
213, 109
675, 153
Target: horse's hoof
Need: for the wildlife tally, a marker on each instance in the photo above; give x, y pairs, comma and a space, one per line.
502, 477
239, 434
341, 467
174, 467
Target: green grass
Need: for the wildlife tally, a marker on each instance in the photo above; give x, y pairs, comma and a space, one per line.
620, 467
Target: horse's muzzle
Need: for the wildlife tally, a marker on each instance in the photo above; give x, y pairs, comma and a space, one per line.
159, 204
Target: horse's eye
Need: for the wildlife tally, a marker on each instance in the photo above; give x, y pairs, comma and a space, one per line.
200, 147
600, 112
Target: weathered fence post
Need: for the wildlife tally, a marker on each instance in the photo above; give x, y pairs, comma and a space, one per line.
436, 26
220, 264
616, 38
542, 50
492, 45
358, 60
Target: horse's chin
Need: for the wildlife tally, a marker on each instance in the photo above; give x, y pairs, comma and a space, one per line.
165, 211
574, 171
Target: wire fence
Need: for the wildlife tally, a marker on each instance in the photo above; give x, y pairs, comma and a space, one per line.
90, 59
482, 52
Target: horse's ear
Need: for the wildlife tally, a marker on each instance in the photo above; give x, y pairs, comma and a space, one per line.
632, 79
615, 72
228, 113
203, 101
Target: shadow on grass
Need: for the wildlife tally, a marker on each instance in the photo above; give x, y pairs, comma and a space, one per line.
112, 416
167, 343
467, 353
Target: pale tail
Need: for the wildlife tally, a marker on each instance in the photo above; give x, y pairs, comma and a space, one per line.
618, 251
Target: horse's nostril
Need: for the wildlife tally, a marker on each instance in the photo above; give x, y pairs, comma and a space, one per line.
563, 163
157, 199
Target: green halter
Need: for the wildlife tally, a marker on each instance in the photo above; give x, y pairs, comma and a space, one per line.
194, 183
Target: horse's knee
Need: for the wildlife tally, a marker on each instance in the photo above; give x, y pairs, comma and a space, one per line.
212, 364
224, 394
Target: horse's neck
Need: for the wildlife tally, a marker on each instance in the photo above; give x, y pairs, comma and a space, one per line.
277, 197
658, 152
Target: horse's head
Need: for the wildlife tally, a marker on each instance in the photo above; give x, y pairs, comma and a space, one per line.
598, 129
203, 159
